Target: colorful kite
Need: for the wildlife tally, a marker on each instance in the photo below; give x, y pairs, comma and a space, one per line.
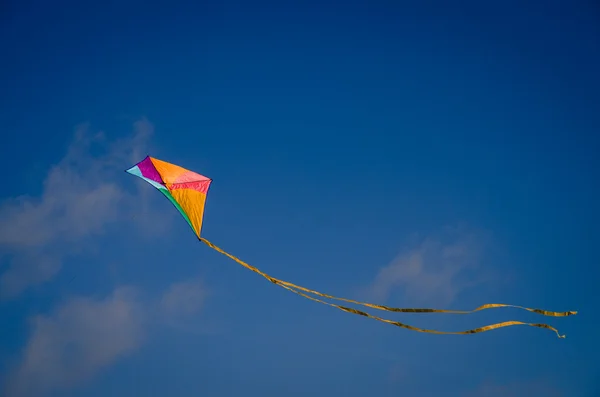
187, 191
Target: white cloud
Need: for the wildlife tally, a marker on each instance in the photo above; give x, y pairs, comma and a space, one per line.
79, 338
76, 201
180, 305
434, 270
79, 199
184, 298
83, 336
28, 269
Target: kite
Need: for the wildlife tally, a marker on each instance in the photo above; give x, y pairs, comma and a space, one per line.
187, 191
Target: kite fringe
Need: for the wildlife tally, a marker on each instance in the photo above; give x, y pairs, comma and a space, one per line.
296, 289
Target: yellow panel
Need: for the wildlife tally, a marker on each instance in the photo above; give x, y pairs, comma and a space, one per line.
192, 202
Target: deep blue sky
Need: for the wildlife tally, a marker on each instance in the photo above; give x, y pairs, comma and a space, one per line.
339, 136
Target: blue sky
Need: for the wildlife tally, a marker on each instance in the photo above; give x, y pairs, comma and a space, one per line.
351, 145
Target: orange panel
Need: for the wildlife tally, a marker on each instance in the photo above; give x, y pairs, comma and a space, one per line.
168, 172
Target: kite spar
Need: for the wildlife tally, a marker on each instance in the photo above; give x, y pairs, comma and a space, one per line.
187, 191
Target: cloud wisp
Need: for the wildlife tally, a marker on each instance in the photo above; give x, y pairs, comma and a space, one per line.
79, 199
183, 299
435, 270
79, 338
83, 336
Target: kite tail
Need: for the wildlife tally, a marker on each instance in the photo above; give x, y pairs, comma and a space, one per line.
429, 331
296, 289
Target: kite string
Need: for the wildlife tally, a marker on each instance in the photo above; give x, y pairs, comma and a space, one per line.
289, 287
383, 307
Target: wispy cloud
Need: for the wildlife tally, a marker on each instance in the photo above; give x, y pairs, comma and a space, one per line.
435, 269
83, 335
76, 340
183, 299
80, 198
181, 304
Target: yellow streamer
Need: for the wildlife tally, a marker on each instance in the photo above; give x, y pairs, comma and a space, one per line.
429, 331
296, 289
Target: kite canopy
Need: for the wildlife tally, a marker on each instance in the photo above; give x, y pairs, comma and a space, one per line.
184, 188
